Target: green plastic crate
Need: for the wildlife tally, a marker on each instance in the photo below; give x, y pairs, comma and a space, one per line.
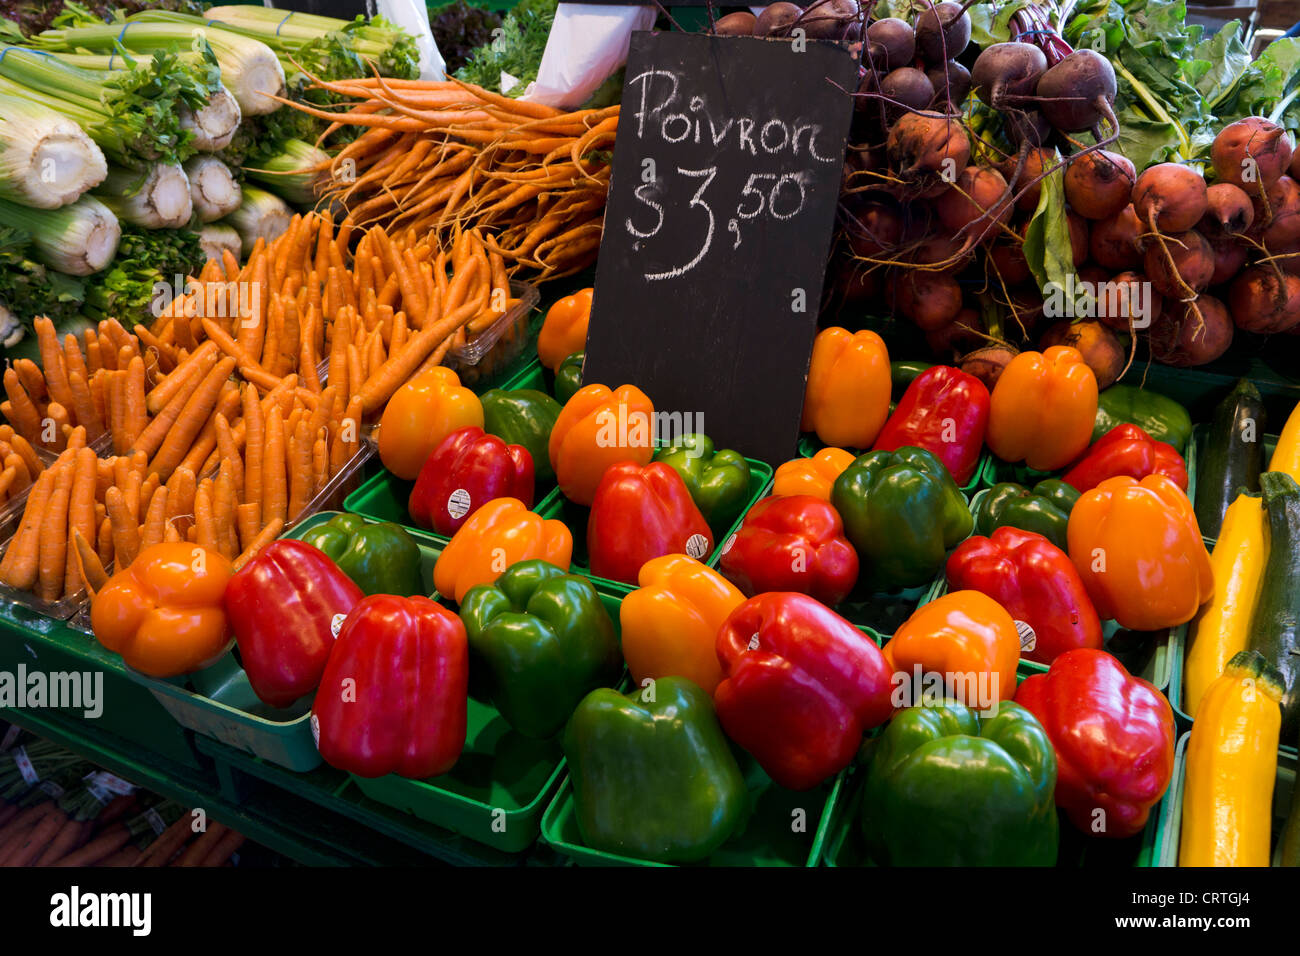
221, 703
1171, 810
500, 787
810, 445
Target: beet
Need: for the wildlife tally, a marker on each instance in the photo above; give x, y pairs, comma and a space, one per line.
927, 143
776, 18
1099, 184
950, 251
1036, 160
1174, 194
828, 19
962, 334
930, 299
988, 363
735, 24
1121, 299
874, 228
1251, 153
1029, 127
907, 86
1262, 302
891, 43
1114, 243
942, 32
1282, 219
1188, 336
1078, 237
977, 190
1100, 349
1229, 257
1192, 256
1076, 94
1008, 258
951, 82
1228, 212
1007, 70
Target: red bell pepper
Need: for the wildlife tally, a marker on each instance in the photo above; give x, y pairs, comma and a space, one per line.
641, 513
1036, 582
467, 470
285, 607
393, 696
800, 686
795, 543
1114, 740
1127, 450
944, 411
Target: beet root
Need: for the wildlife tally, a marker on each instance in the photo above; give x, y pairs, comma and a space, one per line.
1076, 94
736, 24
1005, 71
1229, 211
1171, 194
951, 82
906, 87
942, 32
1192, 333
1116, 243
891, 43
930, 299
921, 143
1128, 299
1036, 160
776, 18
1101, 350
1251, 153
1099, 184
978, 195
1181, 262
1261, 301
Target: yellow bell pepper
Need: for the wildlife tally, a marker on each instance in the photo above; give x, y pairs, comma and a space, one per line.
501, 533
960, 636
847, 398
420, 415
811, 476
670, 624
598, 428
1221, 628
1232, 766
1043, 409
565, 329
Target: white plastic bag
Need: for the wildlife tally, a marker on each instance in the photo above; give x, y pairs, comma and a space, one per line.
587, 44
413, 17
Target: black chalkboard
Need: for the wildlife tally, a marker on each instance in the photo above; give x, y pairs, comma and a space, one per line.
726, 174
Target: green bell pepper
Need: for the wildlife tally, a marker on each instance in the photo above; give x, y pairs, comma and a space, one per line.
947, 788
902, 374
568, 377
718, 481
653, 776
381, 558
902, 512
1160, 417
525, 417
544, 639
1044, 510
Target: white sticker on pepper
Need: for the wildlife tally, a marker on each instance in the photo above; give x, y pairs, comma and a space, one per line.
315, 730
336, 624
697, 546
730, 541
458, 503
1028, 638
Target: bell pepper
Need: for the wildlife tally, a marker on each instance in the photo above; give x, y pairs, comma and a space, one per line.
568, 377
1043, 409
811, 476
420, 415
670, 623
465, 472
598, 428
903, 373
1139, 551
1160, 417
523, 416
1114, 740
640, 514
164, 613
544, 639
795, 543
1126, 450
945, 411
947, 788
565, 329
653, 776
380, 557
800, 687
1044, 510
501, 533
902, 511
393, 696
284, 607
1036, 583
717, 480
847, 398
967, 640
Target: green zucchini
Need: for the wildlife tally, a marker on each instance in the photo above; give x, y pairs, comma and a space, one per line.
1273, 627
1230, 455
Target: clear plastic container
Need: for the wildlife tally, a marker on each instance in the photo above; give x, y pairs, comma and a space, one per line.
492, 351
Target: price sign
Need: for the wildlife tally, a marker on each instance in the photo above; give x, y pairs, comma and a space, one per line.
726, 175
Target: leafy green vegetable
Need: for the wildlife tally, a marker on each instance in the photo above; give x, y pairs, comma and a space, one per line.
28, 289
517, 51
1047, 241
145, 257
459, 28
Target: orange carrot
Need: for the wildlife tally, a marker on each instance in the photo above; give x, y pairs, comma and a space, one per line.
254, 442
81, 511
264, 537
152, 533
205, 532
126, 536
104, 541
90, 569
274, 492
54, 534
24, 416
191, 418
301, 484
20, 566
180, 499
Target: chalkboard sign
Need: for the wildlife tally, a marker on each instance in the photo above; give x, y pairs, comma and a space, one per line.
718, 225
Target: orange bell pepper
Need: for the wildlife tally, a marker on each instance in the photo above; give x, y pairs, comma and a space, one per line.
598, 428
965, 637
164, 613
1043, 409
420, 415
565, 329
501, 533
1139, 551
670, 624
811, 476
847, 399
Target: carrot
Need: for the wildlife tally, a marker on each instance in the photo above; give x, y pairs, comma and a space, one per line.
274, 479
23, 820
271, 345
56, 372
203, 454
33, 382
160, 850
197, 363
54, 534
7, 812
104, 541
254, 440
81, 513
65, 840
198, 851
191, 418
153, 531
224, 849
223, 511
263, 538
21, 563
381, 385
107, 843
205, 532
38, 839
88, 566
229, 450
25, 451
301, 484
180, 499
151, 439
148, 486
23, 414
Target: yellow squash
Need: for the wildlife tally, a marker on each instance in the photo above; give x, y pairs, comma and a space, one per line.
1286, 457
1222, 628
1231, 767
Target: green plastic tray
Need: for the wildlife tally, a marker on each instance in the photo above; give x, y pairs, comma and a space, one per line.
500, 786
221, 703
575, 516
1171, 810
810, 445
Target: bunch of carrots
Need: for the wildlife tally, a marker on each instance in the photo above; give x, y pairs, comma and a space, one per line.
20, 466
445, 156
